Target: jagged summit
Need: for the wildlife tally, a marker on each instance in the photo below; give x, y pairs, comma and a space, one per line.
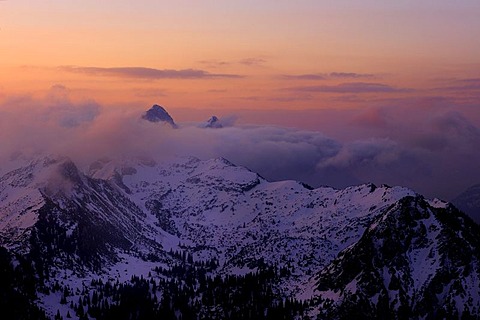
214, 122
158, 114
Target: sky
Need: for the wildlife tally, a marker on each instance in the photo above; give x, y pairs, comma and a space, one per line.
329, 92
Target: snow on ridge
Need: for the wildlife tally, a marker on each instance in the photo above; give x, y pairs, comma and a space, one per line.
437, 203
217, 209
324, 218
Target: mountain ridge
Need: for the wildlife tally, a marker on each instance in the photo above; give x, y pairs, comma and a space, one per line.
124, 218
411, 271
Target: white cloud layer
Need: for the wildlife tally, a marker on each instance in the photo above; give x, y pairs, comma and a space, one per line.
435, 152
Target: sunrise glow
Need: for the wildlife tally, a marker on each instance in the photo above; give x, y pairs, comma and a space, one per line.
405, 72
231, 55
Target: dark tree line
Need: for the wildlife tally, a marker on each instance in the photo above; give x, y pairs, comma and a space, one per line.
186, 291
17, 288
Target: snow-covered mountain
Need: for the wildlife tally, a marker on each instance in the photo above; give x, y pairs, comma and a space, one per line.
382, 247
414, 261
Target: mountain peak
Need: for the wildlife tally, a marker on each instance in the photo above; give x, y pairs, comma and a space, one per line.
214, 122
158, 114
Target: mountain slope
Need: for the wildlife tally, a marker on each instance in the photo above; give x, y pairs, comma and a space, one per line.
414, 261
195, 222
51, 211
236, 216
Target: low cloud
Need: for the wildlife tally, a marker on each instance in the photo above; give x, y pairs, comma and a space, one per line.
68, 113
432, 149
147, 73
372, 151
453, 124
56, 109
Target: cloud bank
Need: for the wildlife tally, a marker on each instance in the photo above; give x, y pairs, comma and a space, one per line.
432, 150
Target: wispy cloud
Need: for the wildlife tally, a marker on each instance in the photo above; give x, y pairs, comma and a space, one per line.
470, 84
327, 76
307, 76
350, 75
291, 98
217, 63
351, 87
252, 98
147, 73
214, 63
252, 61
470, 80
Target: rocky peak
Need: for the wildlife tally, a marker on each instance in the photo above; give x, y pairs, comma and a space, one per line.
214, 122
158, 114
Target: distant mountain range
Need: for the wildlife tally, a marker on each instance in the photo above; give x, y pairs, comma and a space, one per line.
189, 238
469, 202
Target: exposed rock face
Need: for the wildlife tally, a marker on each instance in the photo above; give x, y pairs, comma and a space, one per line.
214, 123
158, 114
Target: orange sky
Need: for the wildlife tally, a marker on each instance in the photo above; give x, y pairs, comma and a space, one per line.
239, 54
